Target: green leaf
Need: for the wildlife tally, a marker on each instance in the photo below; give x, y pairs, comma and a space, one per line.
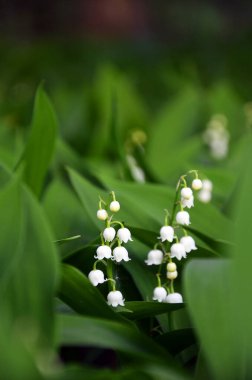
40, 145
143, 309
175, 123
177, 340
28, 256
73, 330
78, 293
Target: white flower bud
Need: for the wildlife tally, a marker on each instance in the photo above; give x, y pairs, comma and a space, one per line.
174, 298
171, 267
186, 192
115, 298
197, 184
178, 251
109, 234
124, 235
102, 214
159, 294
183, 218
114, 206
189, 243
207, 185
96, 277
204, 196
103, 251
188, 202
155, 257
120, 253
172, 275
167, 233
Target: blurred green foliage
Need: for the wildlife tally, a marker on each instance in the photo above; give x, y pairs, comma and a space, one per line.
53, 170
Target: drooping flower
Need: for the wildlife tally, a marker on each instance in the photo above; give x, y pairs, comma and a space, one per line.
207, 185
124, 235
109, 234
183, 218
120, 253
186, 192
102, 214
115, 298
205, 196
189, 243
96, 277
188, 202
197, 184
103, 251
178, 251
174, 298
114, 206
155, 257
159, 294
166, 233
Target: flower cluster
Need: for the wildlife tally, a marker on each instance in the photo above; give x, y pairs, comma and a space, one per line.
217, 137
171, 246
205, 194
111, 249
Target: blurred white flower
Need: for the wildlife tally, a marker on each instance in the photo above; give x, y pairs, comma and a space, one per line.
115, 298
167, 233
188, 202
120, 253
183, 218
155, 257
159, 294
172, 275
114, 206
102, 214
103, 251
109, 234
171, 267
174, 298
186, 192
197, 184
178, 251
189, 243
96, 277
124, 235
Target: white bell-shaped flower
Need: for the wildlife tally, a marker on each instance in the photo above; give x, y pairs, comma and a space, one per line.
115, 298
178, 251
159, 294
124, 235
188, 202
103, 252
109, 234
183, 218
186, 192
102, 214
120, 253
189, 243
167, 233
155, 257
96, 277
207, 185
172, 275
174, 298
171, 267
204, 196
114, 206
197, 184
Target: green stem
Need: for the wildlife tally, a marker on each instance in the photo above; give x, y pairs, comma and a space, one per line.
113, 195
110, 275
117, 222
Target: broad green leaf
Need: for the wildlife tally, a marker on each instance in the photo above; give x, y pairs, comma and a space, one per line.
77, 292
29, 257
177, 340
143, 309
175, 123
40, 145
73, 330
